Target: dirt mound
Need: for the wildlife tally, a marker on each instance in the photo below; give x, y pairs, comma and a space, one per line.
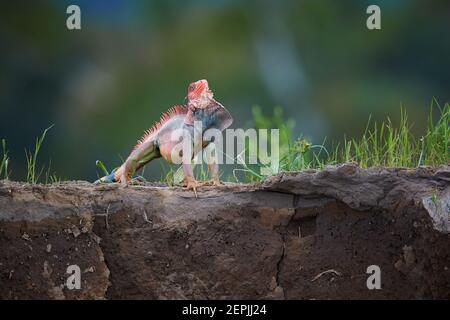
306, 235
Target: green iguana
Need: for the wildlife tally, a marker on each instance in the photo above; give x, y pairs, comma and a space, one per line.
159, 141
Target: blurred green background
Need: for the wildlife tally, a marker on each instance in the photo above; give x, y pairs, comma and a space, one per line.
103, 85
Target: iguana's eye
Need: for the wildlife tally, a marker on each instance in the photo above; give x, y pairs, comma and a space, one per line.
192, 108
191, 87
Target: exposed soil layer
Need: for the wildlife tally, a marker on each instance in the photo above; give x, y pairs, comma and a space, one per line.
306, 235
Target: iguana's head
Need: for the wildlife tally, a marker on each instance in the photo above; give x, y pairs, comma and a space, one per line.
202, 107
199, 95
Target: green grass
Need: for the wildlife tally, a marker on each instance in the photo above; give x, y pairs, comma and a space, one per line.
382, 144
389, 146
4, 171
100, 165
51, 177
436, 143
168, 173
386, 145
33, 174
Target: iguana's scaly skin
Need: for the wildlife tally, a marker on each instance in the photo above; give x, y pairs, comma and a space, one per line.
158, 141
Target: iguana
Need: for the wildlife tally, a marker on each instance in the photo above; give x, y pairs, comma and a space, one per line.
158, 141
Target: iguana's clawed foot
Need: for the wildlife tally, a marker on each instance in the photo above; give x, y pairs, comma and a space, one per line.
192, 184
125, 181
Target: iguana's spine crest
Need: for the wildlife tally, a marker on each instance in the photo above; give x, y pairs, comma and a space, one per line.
166, 116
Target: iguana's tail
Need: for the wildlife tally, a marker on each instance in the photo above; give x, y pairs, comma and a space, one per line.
107, 179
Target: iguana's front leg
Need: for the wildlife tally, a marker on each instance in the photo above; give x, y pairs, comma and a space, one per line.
213, 165
213, 169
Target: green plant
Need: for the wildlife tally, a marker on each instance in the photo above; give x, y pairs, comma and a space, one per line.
436, 143
261, 121
4, 161
250, 174
51, 177
381, 144
32, 174
169, 175
201, 172
390, 146
275, 121
100, 165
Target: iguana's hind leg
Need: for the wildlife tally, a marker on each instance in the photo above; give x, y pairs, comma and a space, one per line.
136, 160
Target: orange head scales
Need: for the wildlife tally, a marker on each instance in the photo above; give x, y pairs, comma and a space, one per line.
199, 95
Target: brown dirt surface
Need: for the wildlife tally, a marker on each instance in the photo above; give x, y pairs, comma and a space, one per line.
300, 235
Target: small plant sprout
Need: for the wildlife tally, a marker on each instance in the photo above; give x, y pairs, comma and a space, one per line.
4, 161
51, 177
99, 164
32, 174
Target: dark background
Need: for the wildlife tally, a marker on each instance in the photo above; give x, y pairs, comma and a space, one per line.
103, 85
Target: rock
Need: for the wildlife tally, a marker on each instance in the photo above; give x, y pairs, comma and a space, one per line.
75, 231
25, 236
438, 206
277, 294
